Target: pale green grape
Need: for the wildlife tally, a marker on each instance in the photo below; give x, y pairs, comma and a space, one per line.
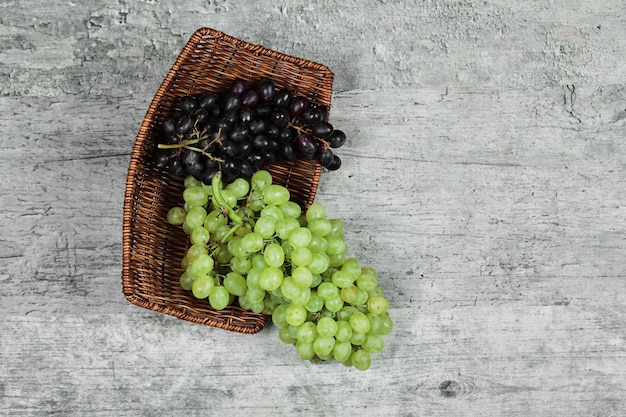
200, 236
214, 220
315, 303
337, 227
359, 322
274, 255
279, 317
349, 294
236, 248
240, 265
315, 211
336, 245
275, 195
302, 276
302, 297
258, 262
252, 242
255, 295
235, 284
202, 286
305, 350
307, 332
321, 227
219, 297
319, 263
361, 297
300, 238
375, 323
261, 179
196, 196
378, 305
334, 304
357, 338
222, 255
283, 335
326, 327
344, 331
265, 227
361, 360
342, 351
176, 216
201, 265
336, 260
373, 343
342, 279
289, 289
190, 181
386, 325
186, 281
295, 315
376, 292
195, 217
195, 250
366, 283
327, 290
239, 188
271, 278
301, 256
285, 227
272, 212
257, 307
290, 209
317, 244
323, 346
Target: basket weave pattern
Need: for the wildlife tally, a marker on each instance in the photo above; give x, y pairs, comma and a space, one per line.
152, 249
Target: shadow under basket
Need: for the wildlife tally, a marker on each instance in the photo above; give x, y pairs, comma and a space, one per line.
153, 249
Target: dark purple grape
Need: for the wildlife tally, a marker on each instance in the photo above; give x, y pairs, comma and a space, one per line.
162, 160
272, 131
208, 175
282, 98
211, 164
288, 152
263, 110
322, 109
230, 101
255, 159
245, 168
305, 144
207, 145
201, 116
297, 106
266, 89
229, 167
322, 129
273, 145
238, 86
261, 142
184, 125
192, 161
325, 157
311, 115
298, 122
176, 167
228, 177
249, 98
169, 126
246, 115
244, 148
257, 126
333, 166
280, 117
229, 148
227, 121
337, 139
206, 100
239, 133
187, 104
286, 134
269, 157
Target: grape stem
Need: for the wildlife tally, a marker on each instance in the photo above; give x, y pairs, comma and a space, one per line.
300, 130
218, 198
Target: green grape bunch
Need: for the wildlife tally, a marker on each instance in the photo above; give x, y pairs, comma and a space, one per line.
251, 245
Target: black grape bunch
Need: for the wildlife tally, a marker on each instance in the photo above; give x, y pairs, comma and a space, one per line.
243, 129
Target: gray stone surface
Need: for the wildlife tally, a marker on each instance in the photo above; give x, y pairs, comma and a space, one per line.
483, 177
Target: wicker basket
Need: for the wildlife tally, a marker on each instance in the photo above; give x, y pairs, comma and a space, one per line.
152, 249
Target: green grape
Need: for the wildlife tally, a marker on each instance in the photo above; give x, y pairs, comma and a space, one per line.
321, 227
295, 315
200, 236
252, 242
195, 217
257, 307
349, 294
271, 278
184, 263
323, 346
196, 196
386, 325
315, 303
176, 216
376, 292
261, 179
239, 188
275, 195
300, 238
202, 286
361, 360
346, 312
279, 317
378, 305
375, 323
327, 290
283, 335
201, 265
336, 245
214, 220
287, 248
219, 297
352, 267
258, 262
317, 278
186, 281
366, 283
236, 248
307, 332
301, 256
265, 227
302, 297
195, 250
317, 244
319, 263
361, 297
293, 331
326, 327
255, 295
289, 289
305, 350
302, 276
222, 255
221, 232
344, 331
240, 265
285, 227
274, 255
272, 212
369, 272
336, 261
290, 209
373, 343
334, 304
315, 211
357, 338
359, 322
342, 351
342, 279
190, 181
244, 303
337, 227
235, 284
